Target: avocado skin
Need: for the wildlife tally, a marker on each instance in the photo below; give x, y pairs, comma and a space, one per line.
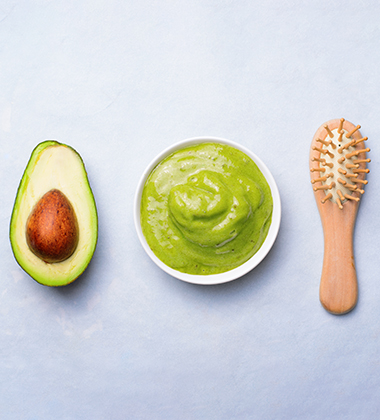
50, 277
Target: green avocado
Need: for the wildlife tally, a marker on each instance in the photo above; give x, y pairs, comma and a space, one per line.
54, 224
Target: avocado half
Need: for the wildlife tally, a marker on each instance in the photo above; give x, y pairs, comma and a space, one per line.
55, 166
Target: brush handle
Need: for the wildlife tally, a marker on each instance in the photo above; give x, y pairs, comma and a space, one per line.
338, 291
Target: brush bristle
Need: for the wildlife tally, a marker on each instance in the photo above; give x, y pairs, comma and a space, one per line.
339, 165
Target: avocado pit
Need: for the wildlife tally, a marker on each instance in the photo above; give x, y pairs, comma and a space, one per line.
52, 231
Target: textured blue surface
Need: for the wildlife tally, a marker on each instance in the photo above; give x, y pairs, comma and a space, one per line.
122, 80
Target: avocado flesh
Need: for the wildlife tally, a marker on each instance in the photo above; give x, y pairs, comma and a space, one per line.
53, 165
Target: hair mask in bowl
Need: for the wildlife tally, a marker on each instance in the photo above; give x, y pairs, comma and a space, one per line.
206, 209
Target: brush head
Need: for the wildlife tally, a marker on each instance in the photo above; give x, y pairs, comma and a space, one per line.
338, 163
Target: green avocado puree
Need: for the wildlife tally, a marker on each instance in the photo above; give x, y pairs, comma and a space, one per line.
206, 209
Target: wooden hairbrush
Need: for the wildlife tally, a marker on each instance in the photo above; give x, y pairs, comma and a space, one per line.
338, 167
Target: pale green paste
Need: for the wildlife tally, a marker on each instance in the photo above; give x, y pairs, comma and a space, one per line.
206, 209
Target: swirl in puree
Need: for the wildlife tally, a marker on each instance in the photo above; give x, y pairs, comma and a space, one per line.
206, 209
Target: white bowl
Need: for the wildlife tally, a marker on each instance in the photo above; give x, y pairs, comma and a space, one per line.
238, 271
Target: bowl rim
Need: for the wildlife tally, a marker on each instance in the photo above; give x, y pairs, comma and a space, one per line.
249, 264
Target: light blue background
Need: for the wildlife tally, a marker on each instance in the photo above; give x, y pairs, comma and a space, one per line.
120, 81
